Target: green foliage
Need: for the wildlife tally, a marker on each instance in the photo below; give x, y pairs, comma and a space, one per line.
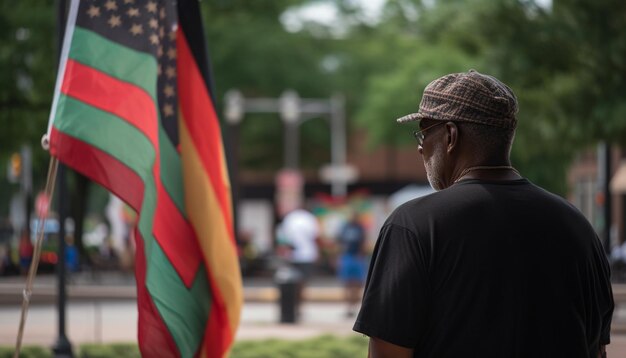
567, 64
114, 350
26, 352
398, 92
322, 346
252, 52
122, 350
28, 62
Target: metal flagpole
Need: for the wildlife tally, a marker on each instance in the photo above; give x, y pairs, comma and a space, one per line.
32, 271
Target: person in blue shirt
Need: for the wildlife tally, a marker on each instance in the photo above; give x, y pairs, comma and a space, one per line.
352, 265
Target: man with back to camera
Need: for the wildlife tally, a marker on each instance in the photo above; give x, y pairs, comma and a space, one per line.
490, 265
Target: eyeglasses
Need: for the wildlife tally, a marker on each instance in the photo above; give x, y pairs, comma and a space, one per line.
419, 135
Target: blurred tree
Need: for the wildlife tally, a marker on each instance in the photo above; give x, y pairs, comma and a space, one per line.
253, 52
596, 32
566, 64
29, 52
28, 60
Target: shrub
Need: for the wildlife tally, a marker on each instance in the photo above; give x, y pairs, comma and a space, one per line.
323, 346
318, 347
122, 350
27, 352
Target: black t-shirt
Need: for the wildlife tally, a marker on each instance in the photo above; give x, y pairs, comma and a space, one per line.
489, 269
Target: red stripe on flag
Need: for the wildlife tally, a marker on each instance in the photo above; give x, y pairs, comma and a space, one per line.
173, 233
152, 332
99, 166
218, 333
126, 184
176, 237
203, 127
109, 94
202, 122
135, 106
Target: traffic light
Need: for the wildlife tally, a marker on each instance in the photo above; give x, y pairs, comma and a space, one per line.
14, 171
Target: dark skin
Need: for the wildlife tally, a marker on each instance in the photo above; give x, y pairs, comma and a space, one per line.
458, 154
461, 154
383, 349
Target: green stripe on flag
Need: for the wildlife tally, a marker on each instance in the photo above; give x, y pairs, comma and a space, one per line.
106, 132
119, 61
140, 69
185, 312
171, 172
119, 139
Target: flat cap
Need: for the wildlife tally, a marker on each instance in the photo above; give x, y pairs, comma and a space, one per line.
467, 97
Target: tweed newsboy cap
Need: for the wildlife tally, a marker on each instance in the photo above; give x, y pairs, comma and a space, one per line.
467, 97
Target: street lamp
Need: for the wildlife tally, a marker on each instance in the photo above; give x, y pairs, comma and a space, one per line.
289, 106
293, 111
233, 112
234, 103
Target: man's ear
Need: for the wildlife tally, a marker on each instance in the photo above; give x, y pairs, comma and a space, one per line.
452, 136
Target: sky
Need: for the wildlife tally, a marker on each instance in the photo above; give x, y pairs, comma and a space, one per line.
326, 13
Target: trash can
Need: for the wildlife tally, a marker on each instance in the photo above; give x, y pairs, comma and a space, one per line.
288, 280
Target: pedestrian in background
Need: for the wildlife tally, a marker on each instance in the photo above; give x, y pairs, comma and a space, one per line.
490, 265
26, 251
300, 231
352, 267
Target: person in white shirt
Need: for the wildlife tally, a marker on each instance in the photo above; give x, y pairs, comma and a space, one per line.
300, 231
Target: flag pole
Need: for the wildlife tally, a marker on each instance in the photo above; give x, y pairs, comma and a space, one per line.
62, 347
32, 271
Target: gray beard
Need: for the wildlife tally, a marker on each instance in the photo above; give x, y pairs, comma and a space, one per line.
434, 170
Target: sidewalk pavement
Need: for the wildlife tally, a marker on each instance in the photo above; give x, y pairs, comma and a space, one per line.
116, 285
87, 286
102, 308
107, 321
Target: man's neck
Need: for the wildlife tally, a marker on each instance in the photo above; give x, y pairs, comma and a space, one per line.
487, 172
